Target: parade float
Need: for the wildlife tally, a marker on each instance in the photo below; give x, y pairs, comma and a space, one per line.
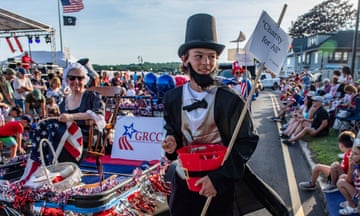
129, 181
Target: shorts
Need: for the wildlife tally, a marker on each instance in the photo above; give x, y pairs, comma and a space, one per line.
8, 141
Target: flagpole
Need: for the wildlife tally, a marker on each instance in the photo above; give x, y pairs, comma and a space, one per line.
60, 27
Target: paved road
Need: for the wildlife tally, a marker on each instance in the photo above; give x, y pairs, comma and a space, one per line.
280, 166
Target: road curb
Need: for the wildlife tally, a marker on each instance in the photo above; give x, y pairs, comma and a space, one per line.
307, 154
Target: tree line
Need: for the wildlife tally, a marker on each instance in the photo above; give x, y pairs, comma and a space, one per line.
146, 66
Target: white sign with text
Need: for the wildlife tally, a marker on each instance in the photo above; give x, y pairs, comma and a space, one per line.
138, 138
269, 44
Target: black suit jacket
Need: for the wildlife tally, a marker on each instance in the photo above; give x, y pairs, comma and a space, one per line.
227, 110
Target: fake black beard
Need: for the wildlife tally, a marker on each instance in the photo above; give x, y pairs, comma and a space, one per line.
203, 80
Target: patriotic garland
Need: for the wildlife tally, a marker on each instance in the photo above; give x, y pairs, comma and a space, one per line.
140, 196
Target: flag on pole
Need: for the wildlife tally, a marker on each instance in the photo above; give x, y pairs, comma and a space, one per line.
70, 6
69, 20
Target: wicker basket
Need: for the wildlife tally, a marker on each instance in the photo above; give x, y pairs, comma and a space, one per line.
60, 176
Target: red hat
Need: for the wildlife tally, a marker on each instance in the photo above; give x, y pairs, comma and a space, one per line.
237, 67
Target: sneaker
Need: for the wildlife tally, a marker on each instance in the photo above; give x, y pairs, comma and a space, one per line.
344, 204
330, 188
348, 211
307, 186
287, 142
283, 128
278, 119
284, 136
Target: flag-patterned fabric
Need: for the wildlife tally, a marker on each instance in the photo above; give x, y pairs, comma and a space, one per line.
71, 6
62, 136
73, 140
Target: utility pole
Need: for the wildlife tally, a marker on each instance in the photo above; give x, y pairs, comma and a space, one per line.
355, 75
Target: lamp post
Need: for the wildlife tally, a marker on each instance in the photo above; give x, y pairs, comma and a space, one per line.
141, 61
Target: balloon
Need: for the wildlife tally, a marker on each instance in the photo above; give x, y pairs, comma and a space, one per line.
181, 80
164, 83
150, 83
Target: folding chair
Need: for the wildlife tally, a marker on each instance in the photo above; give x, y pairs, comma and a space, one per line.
354, 119
112, 97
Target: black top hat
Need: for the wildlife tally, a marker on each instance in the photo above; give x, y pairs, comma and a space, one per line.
200, 33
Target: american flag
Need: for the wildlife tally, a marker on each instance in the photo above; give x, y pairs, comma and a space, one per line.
70, 6
66, 137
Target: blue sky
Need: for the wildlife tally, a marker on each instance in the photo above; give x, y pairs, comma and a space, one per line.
118, 31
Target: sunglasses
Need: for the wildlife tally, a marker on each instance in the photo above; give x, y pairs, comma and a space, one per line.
72, 78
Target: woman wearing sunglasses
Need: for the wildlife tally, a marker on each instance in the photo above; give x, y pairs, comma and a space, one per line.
81, 105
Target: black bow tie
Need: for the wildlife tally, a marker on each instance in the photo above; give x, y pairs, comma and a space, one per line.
195, 105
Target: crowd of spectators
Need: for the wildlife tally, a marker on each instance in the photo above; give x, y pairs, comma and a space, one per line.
30, 93
311, 107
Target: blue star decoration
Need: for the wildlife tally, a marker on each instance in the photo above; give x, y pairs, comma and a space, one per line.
129, 130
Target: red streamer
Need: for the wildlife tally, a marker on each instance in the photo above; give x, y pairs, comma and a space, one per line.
10, 44
18, 44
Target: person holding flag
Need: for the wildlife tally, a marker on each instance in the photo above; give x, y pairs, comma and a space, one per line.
244, 84
203, 112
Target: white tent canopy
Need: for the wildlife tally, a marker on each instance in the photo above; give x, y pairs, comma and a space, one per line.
46, 57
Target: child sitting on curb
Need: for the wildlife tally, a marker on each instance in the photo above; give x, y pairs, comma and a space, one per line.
349, 185
336, 169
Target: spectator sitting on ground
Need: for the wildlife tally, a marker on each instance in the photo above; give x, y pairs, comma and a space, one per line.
335, 170
11, 130
349, 185
308, 118
319, 125
293, 100
300, 119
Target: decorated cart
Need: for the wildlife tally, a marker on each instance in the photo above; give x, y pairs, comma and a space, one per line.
129, 181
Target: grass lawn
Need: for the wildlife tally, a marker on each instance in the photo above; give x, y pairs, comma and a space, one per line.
324, 150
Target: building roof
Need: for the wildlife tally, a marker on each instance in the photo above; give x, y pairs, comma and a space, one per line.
11, 23
342, 39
